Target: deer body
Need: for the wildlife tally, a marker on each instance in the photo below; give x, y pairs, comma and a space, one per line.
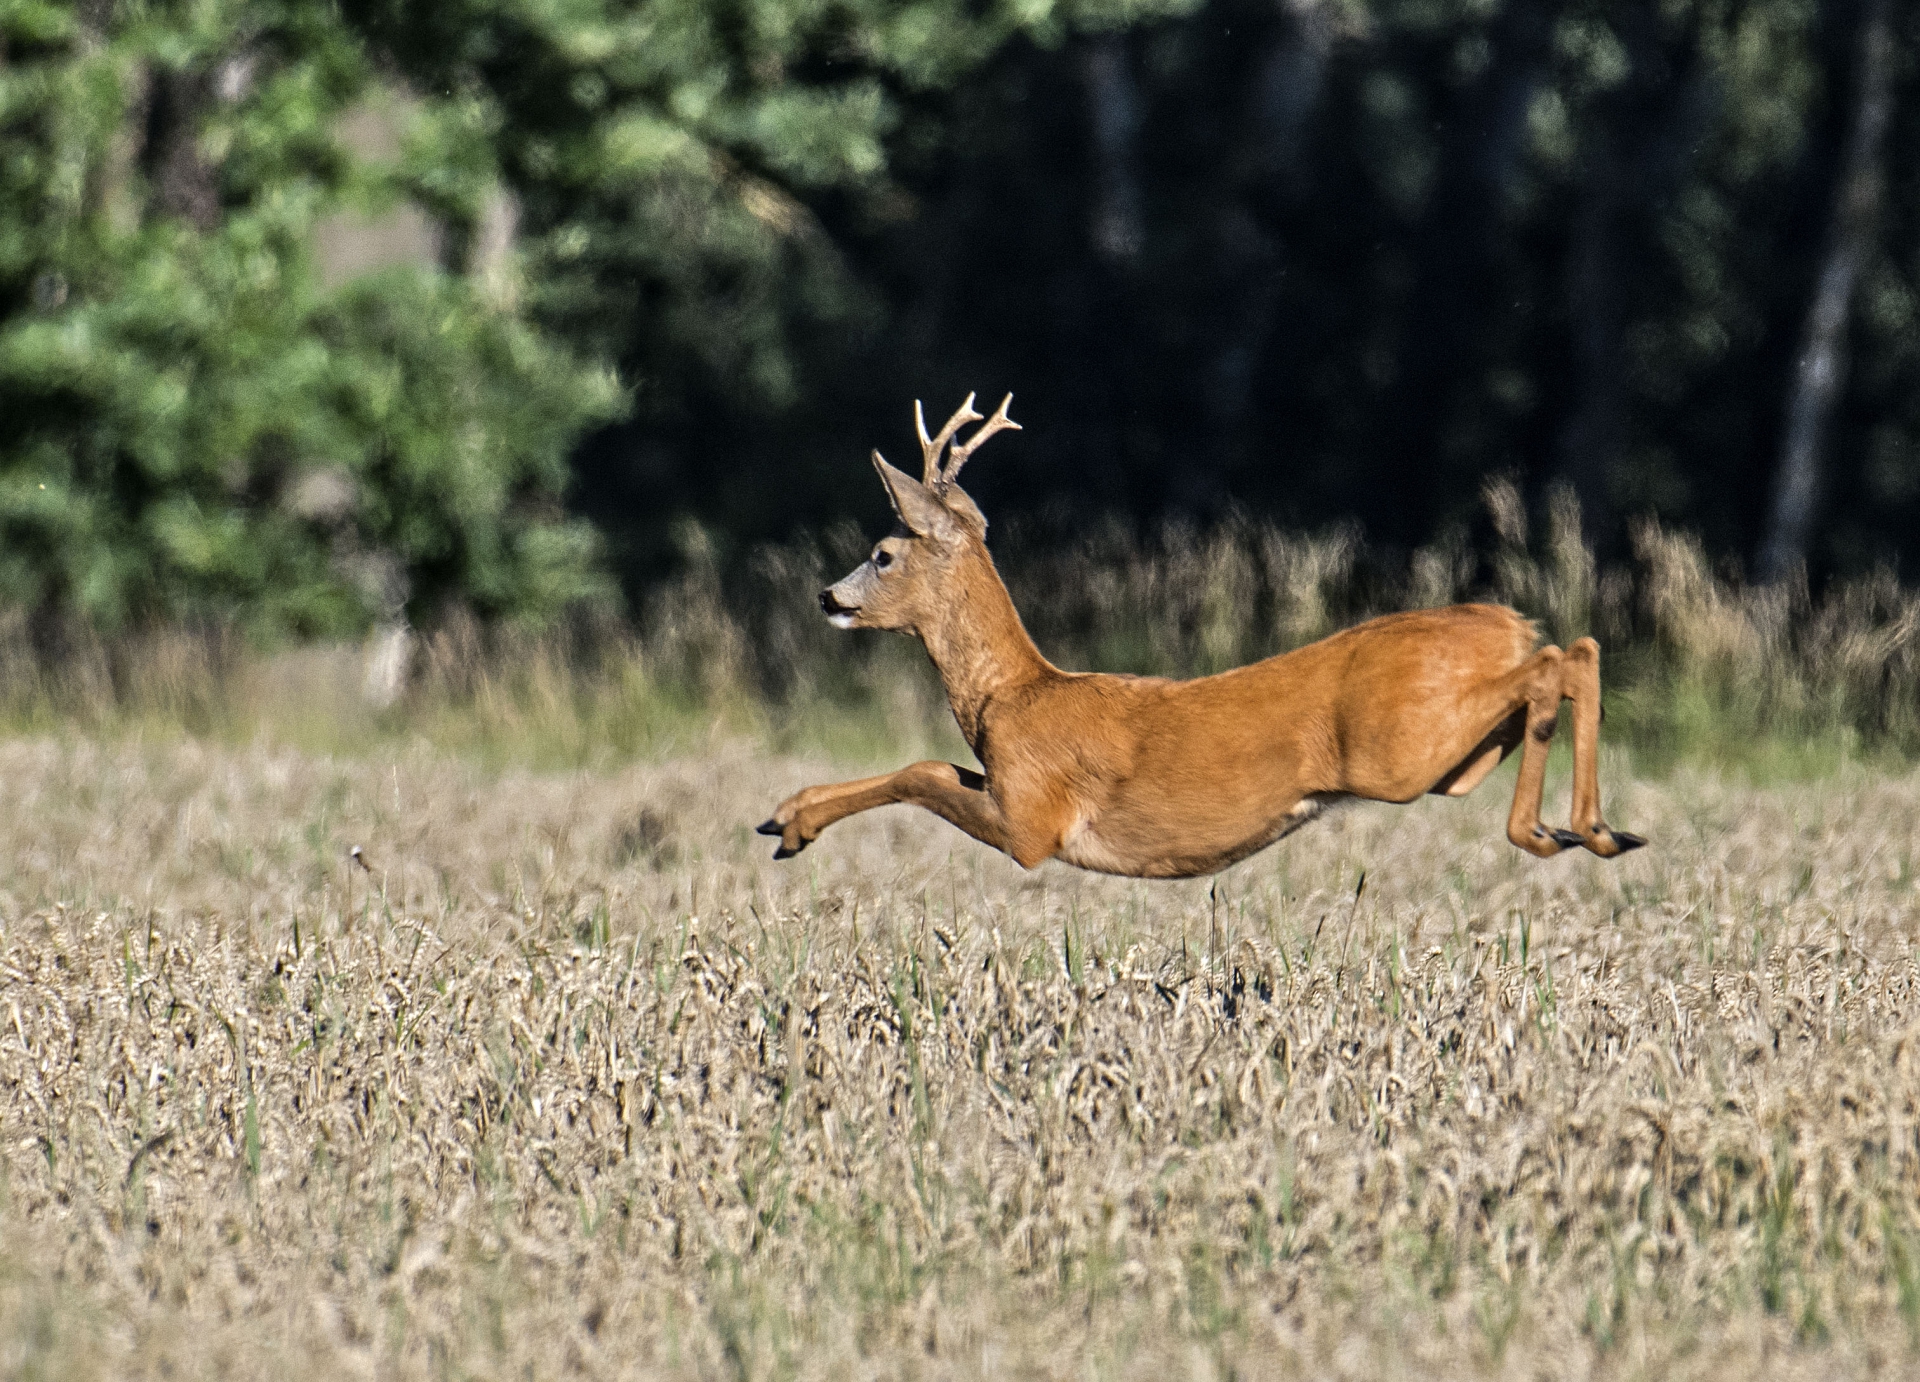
1157, 778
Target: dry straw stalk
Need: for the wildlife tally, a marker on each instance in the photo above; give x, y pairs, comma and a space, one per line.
575, 1082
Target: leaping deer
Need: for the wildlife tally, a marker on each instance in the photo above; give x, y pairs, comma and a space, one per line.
1154, 778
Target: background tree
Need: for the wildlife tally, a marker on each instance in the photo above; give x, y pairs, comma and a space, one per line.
1334, 262
699, 186
1820, 370
194, 425
1326, 260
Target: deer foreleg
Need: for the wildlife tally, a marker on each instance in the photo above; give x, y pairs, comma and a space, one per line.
955, 794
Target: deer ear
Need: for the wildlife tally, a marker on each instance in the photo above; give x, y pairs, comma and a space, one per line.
912, 501
961, 505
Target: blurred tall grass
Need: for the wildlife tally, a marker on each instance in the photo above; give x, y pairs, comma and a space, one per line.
1697, 664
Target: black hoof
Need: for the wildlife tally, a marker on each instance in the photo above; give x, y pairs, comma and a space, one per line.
1566, 839
784, 853
766, 827
1626, 841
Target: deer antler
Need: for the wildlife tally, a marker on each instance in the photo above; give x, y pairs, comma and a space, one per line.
931, 447
938, 477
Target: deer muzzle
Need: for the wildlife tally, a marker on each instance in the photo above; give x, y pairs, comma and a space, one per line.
840, 615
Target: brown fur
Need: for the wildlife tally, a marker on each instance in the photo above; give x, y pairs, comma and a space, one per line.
1155, 778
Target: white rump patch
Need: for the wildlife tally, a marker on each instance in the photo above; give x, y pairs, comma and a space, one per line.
1315, 805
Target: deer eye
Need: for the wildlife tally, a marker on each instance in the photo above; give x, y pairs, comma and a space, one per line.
882, 558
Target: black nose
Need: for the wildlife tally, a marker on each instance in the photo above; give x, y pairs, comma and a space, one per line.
831, 605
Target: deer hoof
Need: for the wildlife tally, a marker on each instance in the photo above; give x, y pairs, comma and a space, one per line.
1566, 839
787, 851
1626, 841
767, 827
1538, 842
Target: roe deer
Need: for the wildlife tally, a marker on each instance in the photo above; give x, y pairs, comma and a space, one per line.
1155, 778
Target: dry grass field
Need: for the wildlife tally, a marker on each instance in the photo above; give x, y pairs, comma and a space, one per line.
575, 1080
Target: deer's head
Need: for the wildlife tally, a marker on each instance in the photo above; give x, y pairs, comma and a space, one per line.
906, 580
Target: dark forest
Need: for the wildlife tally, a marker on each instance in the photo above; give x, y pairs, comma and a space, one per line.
1319, 262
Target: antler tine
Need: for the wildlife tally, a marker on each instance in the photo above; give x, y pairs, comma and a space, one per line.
999, 422
931, 447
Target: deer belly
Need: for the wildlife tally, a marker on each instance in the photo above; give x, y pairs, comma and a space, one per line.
1144, 845
1085, 847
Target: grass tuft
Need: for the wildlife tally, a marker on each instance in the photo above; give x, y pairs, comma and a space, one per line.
1699, 667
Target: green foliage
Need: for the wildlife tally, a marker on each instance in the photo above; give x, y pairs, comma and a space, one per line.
1330, 259
1698, 670
199, 425
673, 157
196, 425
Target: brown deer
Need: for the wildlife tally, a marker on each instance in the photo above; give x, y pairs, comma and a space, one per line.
1155, 778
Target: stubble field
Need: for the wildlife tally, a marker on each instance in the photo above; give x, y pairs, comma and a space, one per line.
575, 1080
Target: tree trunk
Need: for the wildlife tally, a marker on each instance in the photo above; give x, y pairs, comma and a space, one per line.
1287, 85
1820, 368
1591, 439
118, 186
1458, 273
1113, 101
1639, 150
490, 256
184, 182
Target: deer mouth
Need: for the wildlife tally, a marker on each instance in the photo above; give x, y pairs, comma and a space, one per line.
839, 615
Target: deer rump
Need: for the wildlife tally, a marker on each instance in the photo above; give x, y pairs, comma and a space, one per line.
1150, 777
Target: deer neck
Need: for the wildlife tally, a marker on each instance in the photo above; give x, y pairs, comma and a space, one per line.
979, 646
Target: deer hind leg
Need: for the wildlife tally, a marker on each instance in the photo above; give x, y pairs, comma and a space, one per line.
1543, 681
955, 794
1538, 683
1580, 673
1485, 756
